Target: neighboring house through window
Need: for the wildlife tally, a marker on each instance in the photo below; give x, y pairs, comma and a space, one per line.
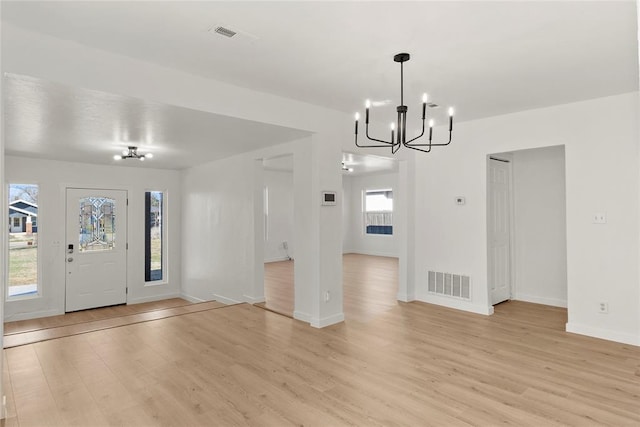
23, 241
378, 211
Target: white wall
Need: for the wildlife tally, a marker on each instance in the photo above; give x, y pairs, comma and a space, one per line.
355, 238
215, 259
53, 177
3, 235
540, 231
601, 163
222, 263
318, 249
346, 213
601, 148
280, 218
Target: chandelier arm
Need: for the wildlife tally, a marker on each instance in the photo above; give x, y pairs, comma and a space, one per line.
373, 146
417, 137
431, 144
396, 150
440, 145
374, 139
413, 147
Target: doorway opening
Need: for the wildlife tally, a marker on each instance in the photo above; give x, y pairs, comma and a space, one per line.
278, 221
526, 227
373, 234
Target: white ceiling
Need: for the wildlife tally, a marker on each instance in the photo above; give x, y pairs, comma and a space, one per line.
485, 58
59, 122
360, 164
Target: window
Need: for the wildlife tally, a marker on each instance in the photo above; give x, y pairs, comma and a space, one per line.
97, 224
23, 241
153, 241
378, 211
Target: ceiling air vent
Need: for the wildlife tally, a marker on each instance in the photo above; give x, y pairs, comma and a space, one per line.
225, 31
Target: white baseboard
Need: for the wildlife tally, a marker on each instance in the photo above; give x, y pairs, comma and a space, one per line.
374, 253
303, 317
252, 300
153, 298
276, 259
225, 300
190, 298
554, 302
406, 297
456, 304
327, 321
31, 315
605, 334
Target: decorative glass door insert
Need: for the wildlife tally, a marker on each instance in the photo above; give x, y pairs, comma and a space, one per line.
97, 224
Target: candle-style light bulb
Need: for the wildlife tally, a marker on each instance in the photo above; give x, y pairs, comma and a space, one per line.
424, 106
450, 119
393, 126
430, 129
367, 105
431, 123
357, 118
450, 111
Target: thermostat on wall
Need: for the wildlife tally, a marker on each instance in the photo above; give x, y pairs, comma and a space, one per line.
328, 198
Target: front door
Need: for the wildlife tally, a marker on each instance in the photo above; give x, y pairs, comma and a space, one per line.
499, 233
96, 246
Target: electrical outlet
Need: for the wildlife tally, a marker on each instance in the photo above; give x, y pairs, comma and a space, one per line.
600, 218
603, 308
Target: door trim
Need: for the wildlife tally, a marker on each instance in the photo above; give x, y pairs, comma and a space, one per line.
505, 158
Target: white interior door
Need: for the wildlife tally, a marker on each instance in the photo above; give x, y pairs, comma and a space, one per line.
96, 259
499, 233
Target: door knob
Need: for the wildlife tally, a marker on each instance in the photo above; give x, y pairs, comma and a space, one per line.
70, 259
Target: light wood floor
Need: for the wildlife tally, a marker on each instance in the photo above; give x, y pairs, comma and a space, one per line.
413, 364
370, 285
77, 327
84, 316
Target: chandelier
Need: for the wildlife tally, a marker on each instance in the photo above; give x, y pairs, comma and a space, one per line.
400, 139
132, 153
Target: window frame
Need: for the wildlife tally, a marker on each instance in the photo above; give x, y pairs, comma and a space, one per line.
365, 192
39, 291
163, 239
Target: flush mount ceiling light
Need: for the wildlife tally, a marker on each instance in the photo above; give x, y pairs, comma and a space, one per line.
132, 153
401, 138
